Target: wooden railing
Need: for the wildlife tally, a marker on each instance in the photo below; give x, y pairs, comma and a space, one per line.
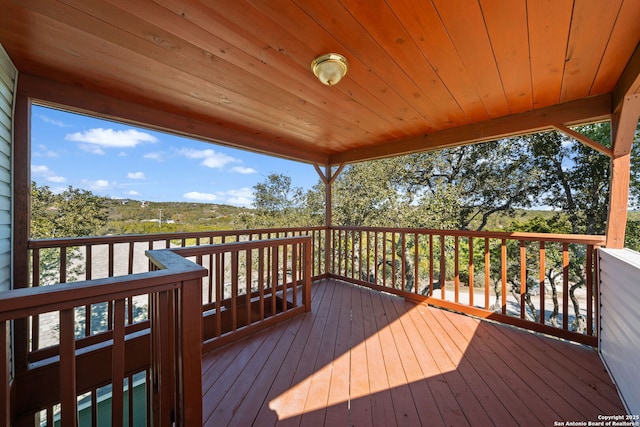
246, 285
251, 284
86, 258
74, 366
525, 279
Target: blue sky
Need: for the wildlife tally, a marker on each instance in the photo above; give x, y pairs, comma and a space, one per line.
120, 161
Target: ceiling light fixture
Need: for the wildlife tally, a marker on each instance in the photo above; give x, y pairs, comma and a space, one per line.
330, 68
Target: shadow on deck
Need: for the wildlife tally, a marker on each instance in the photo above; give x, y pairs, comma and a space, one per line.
363, 358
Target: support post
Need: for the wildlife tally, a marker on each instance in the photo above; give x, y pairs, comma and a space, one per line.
328, 177
623, 127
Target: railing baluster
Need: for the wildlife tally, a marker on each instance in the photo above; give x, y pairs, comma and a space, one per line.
443, 275
261, 273
248, 288
285, 295
565, 286
542, 280
393, 260
117, 364
487, 272
234, 290
294, 273
503, 275
274, 279
219, 293
63, 264
5, 376
456, 263
384, 259
375, 259
403, 260
471, 283
68, 402
353, 254
523, 278
589, 283
431, 268
416, 263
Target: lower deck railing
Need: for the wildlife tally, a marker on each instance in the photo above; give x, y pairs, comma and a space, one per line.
131, 336
48, 390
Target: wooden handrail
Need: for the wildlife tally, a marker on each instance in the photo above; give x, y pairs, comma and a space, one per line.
180, 285
586, 239
127, 238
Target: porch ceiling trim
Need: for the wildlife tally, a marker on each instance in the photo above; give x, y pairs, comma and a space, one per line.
79, 100
586, 110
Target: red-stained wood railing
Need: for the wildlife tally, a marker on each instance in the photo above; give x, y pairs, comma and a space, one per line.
252, 284
542, 282
87, 258
72, 370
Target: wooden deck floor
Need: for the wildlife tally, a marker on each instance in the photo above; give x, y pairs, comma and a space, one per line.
363, 358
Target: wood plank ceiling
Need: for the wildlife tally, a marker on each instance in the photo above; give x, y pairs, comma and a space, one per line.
423, 74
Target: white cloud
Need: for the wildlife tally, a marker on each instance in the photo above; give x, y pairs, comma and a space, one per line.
133, 193
46, 173
155, 155
93, 140
240, 201
210, 158
200, 197
136, 175
239, 197
43, 151
51, 121
243, 170
97, 185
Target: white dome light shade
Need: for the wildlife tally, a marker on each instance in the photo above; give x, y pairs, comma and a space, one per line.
330, 68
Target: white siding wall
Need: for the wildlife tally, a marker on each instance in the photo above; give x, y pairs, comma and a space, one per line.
8, 77
620, 321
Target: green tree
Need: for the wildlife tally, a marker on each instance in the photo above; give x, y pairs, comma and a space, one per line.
277, 203
71, 213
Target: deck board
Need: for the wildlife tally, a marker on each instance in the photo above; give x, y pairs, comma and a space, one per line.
363, 358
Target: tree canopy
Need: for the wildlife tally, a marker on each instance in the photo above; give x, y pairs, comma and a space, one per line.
71, 213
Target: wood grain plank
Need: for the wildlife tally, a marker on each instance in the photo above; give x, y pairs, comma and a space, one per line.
619, 45
591, 26
271, 408
427, 30
259, 46
549, 24
428, 352
509, 37
404, 408
316, 403
370, 401
339, 392
458, 376
421, 393
452, 369
462, 18
364, 54
522, 404
383, 25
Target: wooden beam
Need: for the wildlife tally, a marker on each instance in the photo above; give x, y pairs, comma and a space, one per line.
629, 82
583, 139
623, 127
76, 99
21, 220
586, 110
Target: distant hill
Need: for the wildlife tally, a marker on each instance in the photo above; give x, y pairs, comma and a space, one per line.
138, 217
